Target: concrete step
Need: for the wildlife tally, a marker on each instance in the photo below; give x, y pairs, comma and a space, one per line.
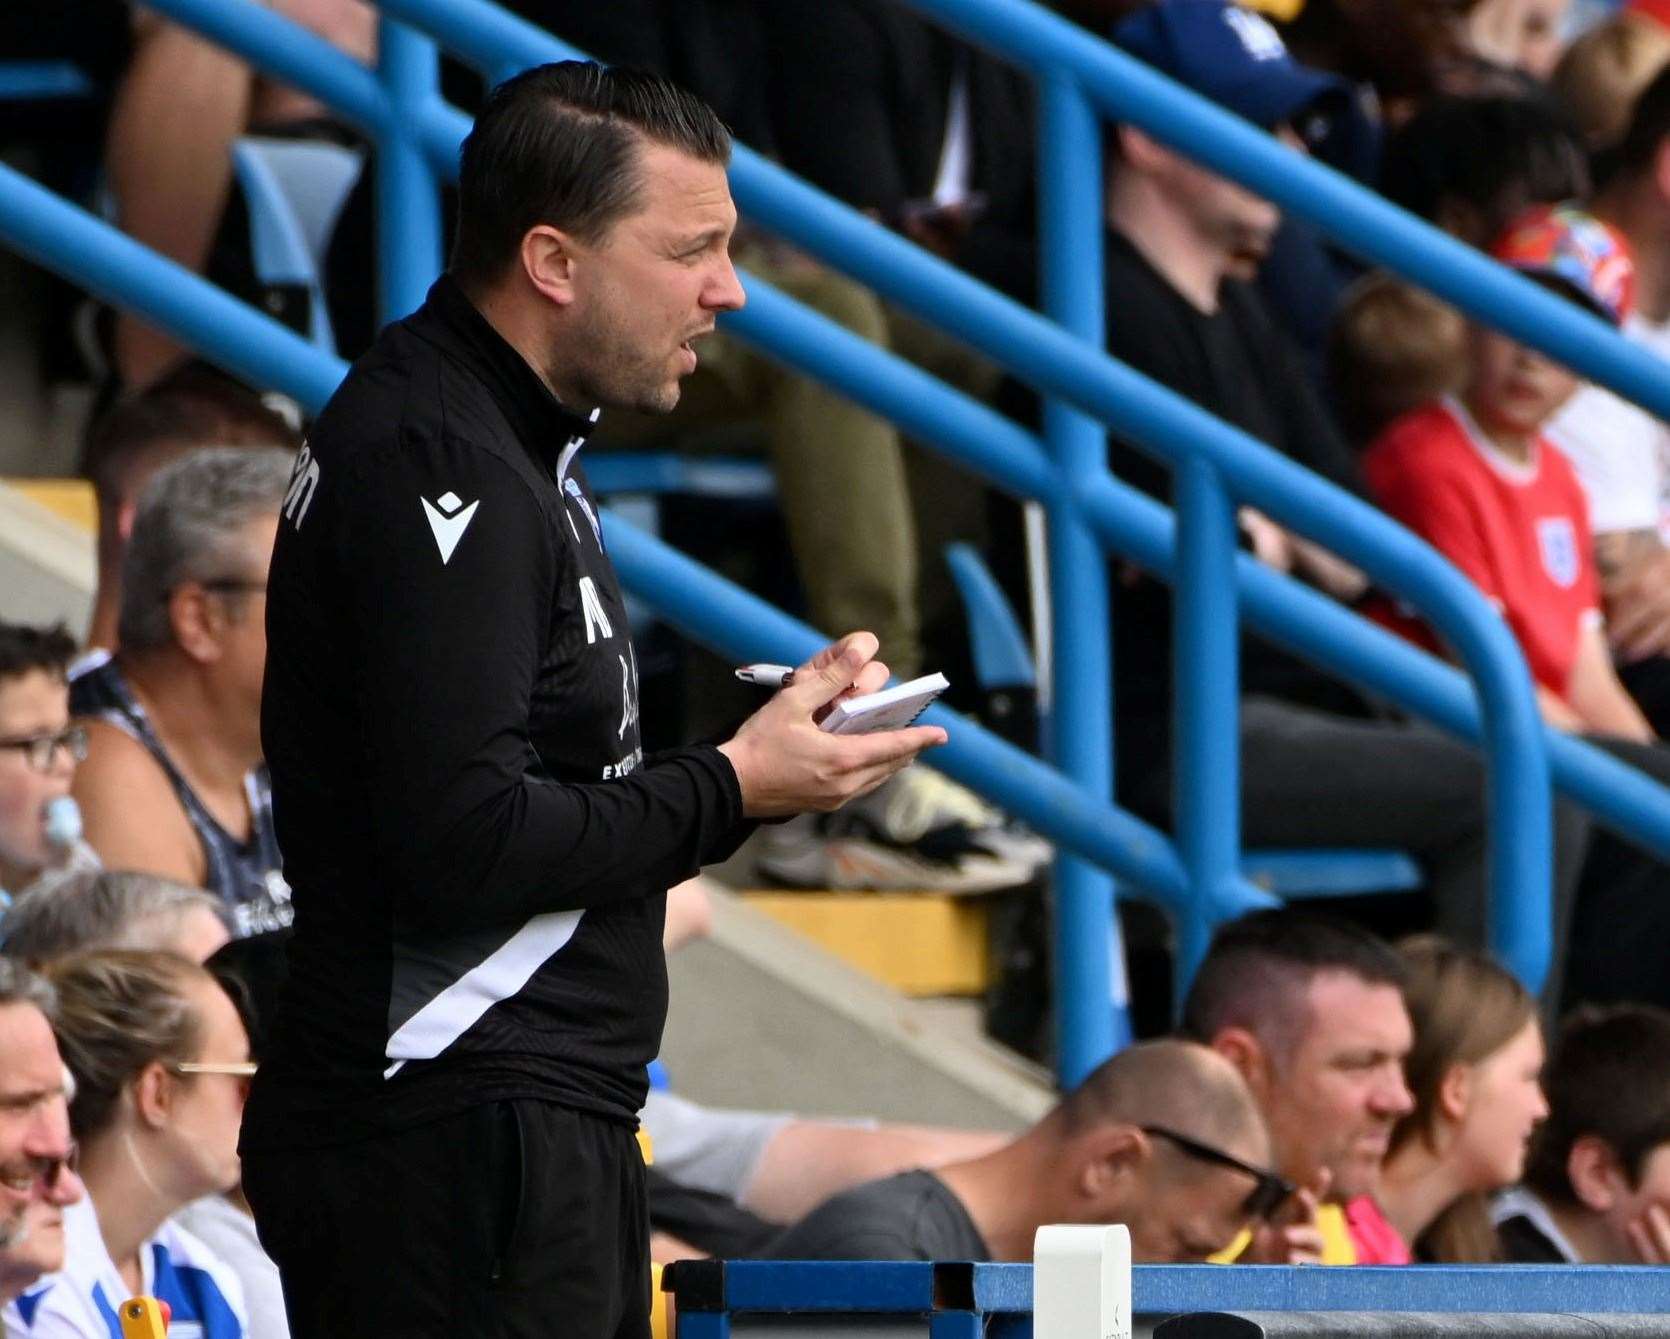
763, 1017
47, 563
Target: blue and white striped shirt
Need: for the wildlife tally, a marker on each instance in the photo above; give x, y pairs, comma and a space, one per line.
81, 1300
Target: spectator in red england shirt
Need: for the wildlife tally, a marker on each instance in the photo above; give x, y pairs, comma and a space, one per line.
1475, 476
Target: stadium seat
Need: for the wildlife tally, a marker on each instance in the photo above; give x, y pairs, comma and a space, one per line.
295, 191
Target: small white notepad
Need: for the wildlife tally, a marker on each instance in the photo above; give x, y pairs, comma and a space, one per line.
890, 709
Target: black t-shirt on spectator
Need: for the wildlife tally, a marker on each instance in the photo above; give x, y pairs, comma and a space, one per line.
1523, 1243
714, 48
861, 93
911, 1216
1238, 365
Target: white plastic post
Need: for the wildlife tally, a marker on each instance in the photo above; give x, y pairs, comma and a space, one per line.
1081, 1282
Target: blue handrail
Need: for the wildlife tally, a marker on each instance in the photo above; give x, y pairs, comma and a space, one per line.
418, 136
32, 80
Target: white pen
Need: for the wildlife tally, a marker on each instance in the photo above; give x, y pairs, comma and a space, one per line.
767, 676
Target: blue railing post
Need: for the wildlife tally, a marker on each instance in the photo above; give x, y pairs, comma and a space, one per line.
1091, 1001
1206, 771
408, 194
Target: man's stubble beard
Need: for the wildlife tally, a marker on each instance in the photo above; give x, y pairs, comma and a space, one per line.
612, 374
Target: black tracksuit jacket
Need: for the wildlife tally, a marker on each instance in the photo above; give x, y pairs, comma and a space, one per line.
477, 849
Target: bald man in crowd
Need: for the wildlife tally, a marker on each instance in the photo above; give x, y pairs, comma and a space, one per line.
1164, 1137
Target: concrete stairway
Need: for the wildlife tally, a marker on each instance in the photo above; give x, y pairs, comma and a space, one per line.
763, 1017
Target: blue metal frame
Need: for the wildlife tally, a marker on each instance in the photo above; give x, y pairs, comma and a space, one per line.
996, 1299
40, 80
1079, 726
1086, 392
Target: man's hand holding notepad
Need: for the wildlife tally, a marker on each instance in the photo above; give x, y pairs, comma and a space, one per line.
831, 734
890, 709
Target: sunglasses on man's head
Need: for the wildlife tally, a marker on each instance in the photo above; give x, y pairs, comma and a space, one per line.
1269, 1191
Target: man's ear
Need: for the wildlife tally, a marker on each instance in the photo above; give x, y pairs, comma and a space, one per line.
197, 619
1242, 1049
126, 510
153, 1095
548, 257
1109, 1158
1592, 1168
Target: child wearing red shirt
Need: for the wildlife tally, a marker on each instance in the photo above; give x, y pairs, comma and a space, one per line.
1475, 477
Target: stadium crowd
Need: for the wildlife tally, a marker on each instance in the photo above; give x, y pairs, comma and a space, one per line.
1332, 1094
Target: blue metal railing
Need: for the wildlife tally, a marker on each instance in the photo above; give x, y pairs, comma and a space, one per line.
418, 135
41, 80
994, 1301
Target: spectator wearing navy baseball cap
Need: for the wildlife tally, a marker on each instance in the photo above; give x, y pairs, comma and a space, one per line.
1238, 60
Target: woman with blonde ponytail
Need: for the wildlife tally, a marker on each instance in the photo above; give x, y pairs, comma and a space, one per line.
161, 1065
1475, 1073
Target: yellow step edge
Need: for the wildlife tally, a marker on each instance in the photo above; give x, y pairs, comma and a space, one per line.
917, 943
69, 499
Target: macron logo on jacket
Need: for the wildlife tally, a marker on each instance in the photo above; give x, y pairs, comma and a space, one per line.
447, 523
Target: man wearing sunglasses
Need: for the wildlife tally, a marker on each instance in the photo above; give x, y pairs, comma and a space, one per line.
40, 828
1164, 1138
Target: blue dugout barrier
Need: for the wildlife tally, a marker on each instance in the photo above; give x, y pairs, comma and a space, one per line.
1080, 78
967, 1301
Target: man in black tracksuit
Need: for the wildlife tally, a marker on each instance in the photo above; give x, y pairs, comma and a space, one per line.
441, 1142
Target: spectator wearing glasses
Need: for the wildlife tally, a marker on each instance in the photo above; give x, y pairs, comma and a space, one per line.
174, 783
161, 1065
36, 1178
1164, 1138
124, 910
40, 827
1597, 1183
1311, 1012
1474, 1071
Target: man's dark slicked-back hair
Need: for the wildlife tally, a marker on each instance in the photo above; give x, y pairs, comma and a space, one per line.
1258, 965
24, 648
1497, 154
559, 145
1608, 1075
